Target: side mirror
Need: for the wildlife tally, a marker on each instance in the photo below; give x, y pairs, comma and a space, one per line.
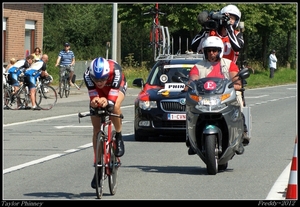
139, 82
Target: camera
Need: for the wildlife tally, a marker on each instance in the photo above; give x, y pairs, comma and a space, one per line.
214, 20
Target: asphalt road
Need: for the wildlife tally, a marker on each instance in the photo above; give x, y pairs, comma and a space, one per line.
47, 155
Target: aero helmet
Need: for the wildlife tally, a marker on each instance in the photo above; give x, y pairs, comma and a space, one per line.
232, 9
213, 42
99, 69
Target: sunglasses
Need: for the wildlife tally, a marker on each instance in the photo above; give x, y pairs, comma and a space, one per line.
101, 80
212, 50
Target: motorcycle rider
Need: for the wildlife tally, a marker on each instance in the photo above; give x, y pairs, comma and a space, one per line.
214, 65
232, 39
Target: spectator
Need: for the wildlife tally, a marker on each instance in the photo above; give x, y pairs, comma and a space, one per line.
12, 61
66, 57
37, 54
36, 69
18, 68
272, 63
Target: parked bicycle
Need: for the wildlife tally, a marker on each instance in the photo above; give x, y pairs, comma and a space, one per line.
156, 32
107, 163
64, 84
46, 96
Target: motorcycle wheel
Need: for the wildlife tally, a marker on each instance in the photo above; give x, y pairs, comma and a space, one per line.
210, 154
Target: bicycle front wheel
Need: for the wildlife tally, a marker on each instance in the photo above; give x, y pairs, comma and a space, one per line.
61, 88
67, 88
46, 97
113, 167
100, 165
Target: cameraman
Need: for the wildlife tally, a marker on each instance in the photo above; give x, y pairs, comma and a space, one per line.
224, 25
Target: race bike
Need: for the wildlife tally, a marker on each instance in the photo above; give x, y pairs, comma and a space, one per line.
214, 123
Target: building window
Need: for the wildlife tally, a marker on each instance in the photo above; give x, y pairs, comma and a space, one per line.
4, 38
29, 37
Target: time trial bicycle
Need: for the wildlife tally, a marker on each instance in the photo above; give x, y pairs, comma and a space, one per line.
107, 163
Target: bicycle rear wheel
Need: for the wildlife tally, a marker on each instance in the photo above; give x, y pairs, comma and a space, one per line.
100, 165
113, 166
46, 97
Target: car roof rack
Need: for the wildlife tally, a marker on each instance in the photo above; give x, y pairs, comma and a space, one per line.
188, 55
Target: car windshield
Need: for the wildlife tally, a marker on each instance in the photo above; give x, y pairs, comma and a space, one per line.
163, 73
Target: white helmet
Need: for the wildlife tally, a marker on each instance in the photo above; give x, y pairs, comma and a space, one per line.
213, 42
232, 9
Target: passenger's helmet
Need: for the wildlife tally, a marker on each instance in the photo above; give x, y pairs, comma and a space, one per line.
213, 42
99, 69
232, 9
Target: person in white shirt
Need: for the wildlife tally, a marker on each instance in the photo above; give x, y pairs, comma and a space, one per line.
272, 63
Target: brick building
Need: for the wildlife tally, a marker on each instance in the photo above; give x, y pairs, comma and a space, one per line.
22, 29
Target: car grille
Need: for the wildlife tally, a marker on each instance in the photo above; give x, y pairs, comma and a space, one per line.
172, 106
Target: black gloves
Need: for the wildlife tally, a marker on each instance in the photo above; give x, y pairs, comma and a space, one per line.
110, 106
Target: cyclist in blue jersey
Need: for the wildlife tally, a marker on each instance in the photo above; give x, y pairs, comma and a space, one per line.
31, 74
18, 68
66, 57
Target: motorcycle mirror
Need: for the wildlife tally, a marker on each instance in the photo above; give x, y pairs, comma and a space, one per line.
244, 73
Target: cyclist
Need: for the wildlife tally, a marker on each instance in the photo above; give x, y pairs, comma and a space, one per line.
17, 69
66, 57
106, 86
31, 74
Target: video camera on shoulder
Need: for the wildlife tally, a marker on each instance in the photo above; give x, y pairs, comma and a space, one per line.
211, 20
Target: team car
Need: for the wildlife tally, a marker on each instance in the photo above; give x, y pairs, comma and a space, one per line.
159, 108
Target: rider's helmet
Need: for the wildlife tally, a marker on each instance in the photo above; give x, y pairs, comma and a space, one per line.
233, 10
99, 69
213, 42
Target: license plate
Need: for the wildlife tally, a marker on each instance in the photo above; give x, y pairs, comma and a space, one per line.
210, 102
176, 117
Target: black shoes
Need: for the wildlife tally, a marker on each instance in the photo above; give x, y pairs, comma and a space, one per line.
191, 151
120, 149
246, 139
93, 183
36, 108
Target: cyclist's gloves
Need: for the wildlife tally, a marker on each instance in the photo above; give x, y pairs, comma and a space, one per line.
110, 106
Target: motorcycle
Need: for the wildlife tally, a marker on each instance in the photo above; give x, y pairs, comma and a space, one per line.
214, 120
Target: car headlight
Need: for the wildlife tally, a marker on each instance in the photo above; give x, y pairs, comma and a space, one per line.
147, 105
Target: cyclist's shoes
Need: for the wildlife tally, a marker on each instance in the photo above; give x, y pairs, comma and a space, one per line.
36, 108
246, 139
191, 151
120, 149
93, 183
